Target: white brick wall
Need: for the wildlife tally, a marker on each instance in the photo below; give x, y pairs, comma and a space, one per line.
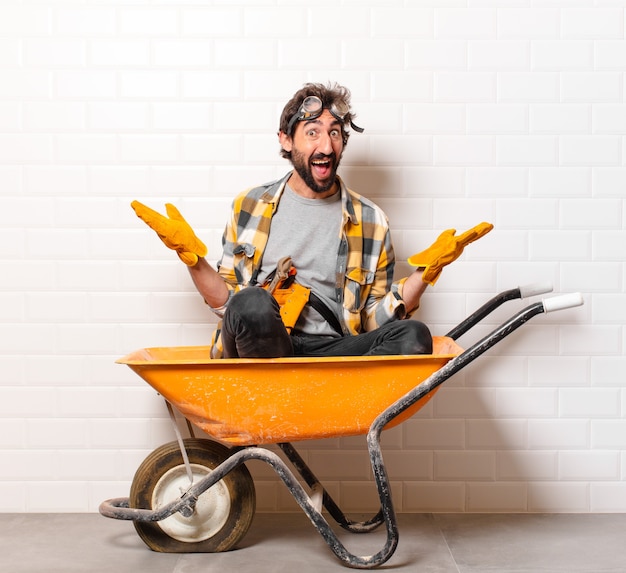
510, 112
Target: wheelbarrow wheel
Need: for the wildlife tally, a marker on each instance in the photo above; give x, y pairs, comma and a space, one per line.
222, 514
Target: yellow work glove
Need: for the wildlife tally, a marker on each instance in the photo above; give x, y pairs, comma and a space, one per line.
174, 231
444, 250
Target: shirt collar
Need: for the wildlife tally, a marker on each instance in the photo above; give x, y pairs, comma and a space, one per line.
274, 192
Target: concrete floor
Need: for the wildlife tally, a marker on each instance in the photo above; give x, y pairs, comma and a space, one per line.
429, 543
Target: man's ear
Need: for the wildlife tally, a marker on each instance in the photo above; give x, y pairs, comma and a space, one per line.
286, 142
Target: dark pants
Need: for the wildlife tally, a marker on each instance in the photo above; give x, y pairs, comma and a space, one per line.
252, 328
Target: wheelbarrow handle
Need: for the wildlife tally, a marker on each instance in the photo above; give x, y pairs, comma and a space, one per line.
563, 301
497, 301
534, 289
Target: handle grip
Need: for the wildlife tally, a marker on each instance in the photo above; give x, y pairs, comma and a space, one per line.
535, 289
562, 301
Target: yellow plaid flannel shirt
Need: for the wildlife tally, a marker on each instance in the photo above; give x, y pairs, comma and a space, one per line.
364, 286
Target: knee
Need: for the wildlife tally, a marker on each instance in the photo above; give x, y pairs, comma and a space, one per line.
254, 307
250, 299
417, 338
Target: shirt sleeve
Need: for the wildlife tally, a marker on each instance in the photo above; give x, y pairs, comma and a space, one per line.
384, 303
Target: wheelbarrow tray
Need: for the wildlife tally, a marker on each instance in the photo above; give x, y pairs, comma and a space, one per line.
246, 402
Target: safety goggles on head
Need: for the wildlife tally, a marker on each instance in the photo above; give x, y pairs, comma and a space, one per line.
313, 107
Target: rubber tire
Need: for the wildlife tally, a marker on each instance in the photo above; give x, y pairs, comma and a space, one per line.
210, 455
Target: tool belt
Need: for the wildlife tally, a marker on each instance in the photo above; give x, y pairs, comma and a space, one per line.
293, 297
290, 296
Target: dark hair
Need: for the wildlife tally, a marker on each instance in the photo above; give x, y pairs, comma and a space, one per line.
329, 94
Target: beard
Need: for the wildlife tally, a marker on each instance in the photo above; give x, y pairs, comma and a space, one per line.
303, 169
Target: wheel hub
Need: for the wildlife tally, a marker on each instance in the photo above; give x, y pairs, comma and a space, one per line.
209, 514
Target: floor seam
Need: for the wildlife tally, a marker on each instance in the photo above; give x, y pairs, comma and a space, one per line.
445, 540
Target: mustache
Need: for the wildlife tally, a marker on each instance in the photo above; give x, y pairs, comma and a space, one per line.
322, 156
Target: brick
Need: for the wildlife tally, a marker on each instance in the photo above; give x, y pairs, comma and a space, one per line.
428, 118
183, 52
464, 465
148, 83
182, 116
535, 22
153, 21
608, 434
531, 403
369, 54
497, 119
44, 116
86, 21
455, 150
609, 118
608, 370
357, 496
22, 20
563, 245
85, 83
498, 55
558, 498
562, 55
528, 86
463, 402
436, 55
610, 54
576, 277
234, 53
25, 148
434, 496
461, 22
219, 85
590, 340
554, 434
496, 434
609, 245
114, 116
54, 52
211, 22
526, 465
24, 84
560, 118
54, 433
519, 213
146, 148
607, 497
591, 86
497, 497
57, 496
119, 52
13, 496
559, 371
595, 23
396, 22
559, 181
525, 150
87, 148
467, 87
596, 402
282, 21
434, 434
589, 466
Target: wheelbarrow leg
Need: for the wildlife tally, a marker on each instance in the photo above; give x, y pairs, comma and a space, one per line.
327, 501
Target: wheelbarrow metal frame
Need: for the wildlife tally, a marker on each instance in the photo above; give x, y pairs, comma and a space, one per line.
119, 508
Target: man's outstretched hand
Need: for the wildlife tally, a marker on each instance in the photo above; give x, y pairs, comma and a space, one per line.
446, 249
174, 231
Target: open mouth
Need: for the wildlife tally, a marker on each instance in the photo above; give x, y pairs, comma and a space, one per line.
322, 168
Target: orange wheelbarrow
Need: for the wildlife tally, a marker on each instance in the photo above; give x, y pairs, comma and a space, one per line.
196, 495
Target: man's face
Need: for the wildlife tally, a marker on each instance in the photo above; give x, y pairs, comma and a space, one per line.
316, 148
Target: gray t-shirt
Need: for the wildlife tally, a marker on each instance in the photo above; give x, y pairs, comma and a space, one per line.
308, 231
